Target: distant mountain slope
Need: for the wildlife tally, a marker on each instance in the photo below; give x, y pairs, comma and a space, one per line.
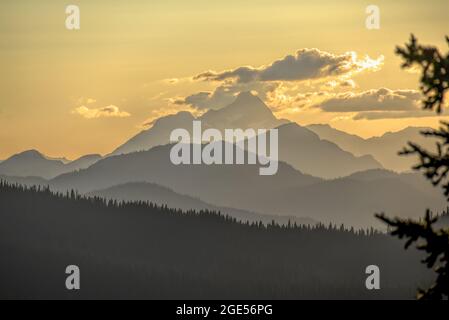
212, 184
164, 196
158, 134
354, 202
83, 162
384, 149
348, 200
62, 159
305, 151
344, 140
415, 180
32, 163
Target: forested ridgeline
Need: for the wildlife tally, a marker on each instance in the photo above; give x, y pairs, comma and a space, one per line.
139, 250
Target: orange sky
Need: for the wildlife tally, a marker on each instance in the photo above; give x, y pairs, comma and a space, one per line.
69, 93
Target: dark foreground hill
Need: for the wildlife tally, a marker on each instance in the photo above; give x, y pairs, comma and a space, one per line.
138, 250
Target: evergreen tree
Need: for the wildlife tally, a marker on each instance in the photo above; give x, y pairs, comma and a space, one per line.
435, 165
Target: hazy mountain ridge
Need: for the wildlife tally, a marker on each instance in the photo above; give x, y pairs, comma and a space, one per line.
384, 149
247, 111
155, 165
299, 146
143, 191
158, 134
163, 196
307, 152
350, 200
358, 188
32, 163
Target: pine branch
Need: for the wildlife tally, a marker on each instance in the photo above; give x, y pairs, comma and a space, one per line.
435, 165
435, 71
434, 243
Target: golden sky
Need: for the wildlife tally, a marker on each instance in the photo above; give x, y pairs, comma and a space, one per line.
69, 93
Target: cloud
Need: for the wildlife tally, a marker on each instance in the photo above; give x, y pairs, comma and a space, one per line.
282, 99
348, 83
376, 104
198, 100
105, 112
382, 115
306, 64
305, 68
382, 99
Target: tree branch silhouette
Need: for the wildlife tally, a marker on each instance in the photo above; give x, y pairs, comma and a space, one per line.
435, 165
435, 71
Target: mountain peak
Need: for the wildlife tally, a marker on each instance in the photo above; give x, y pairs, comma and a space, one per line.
245, 103
29, 154
247, 111
247, 98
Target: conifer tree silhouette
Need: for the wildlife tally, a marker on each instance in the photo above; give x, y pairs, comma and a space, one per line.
435, 165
